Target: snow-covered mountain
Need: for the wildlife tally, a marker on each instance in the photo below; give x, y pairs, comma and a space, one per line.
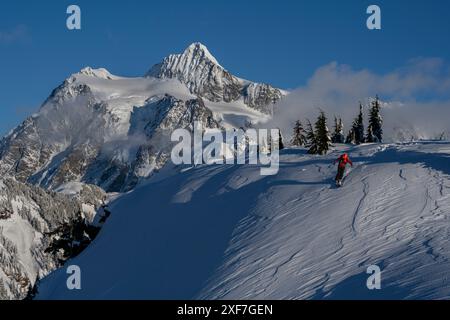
27, 215
209, 232
204, 76
226, 232
113, 131
100, 129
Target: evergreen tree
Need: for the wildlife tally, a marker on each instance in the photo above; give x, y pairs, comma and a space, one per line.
333, 136
268, 143
351, 139
370, 137
310, 138
280, 140
248, 124
72, 237
375, 122
322, 136
298, 137
358, 127
338, 134
341, 136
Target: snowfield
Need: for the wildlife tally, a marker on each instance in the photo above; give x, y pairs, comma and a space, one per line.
225, 232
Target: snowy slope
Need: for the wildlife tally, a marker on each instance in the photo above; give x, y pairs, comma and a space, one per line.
226, 232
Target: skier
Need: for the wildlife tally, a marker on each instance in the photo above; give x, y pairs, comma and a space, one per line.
343, 160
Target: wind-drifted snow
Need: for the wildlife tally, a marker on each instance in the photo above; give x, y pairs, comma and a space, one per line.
226, 232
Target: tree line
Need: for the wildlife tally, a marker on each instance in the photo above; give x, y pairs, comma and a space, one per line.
318, 139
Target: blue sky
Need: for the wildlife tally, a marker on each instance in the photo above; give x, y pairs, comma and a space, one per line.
281, 42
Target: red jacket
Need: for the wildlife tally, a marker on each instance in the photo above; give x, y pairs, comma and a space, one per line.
343, 160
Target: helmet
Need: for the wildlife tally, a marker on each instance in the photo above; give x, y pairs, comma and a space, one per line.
345, 156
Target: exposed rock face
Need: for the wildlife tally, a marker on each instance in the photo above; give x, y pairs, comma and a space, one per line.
152, 124
23, 152
51, 147
204, 76
261, 97
172, 114
201, 73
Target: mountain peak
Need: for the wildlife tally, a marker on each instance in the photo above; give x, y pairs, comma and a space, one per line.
98, 73
199, 50
195, 58
197, 68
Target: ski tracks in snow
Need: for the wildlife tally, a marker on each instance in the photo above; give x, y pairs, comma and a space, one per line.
360, 204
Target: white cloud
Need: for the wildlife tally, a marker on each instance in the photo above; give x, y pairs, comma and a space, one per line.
418, 95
